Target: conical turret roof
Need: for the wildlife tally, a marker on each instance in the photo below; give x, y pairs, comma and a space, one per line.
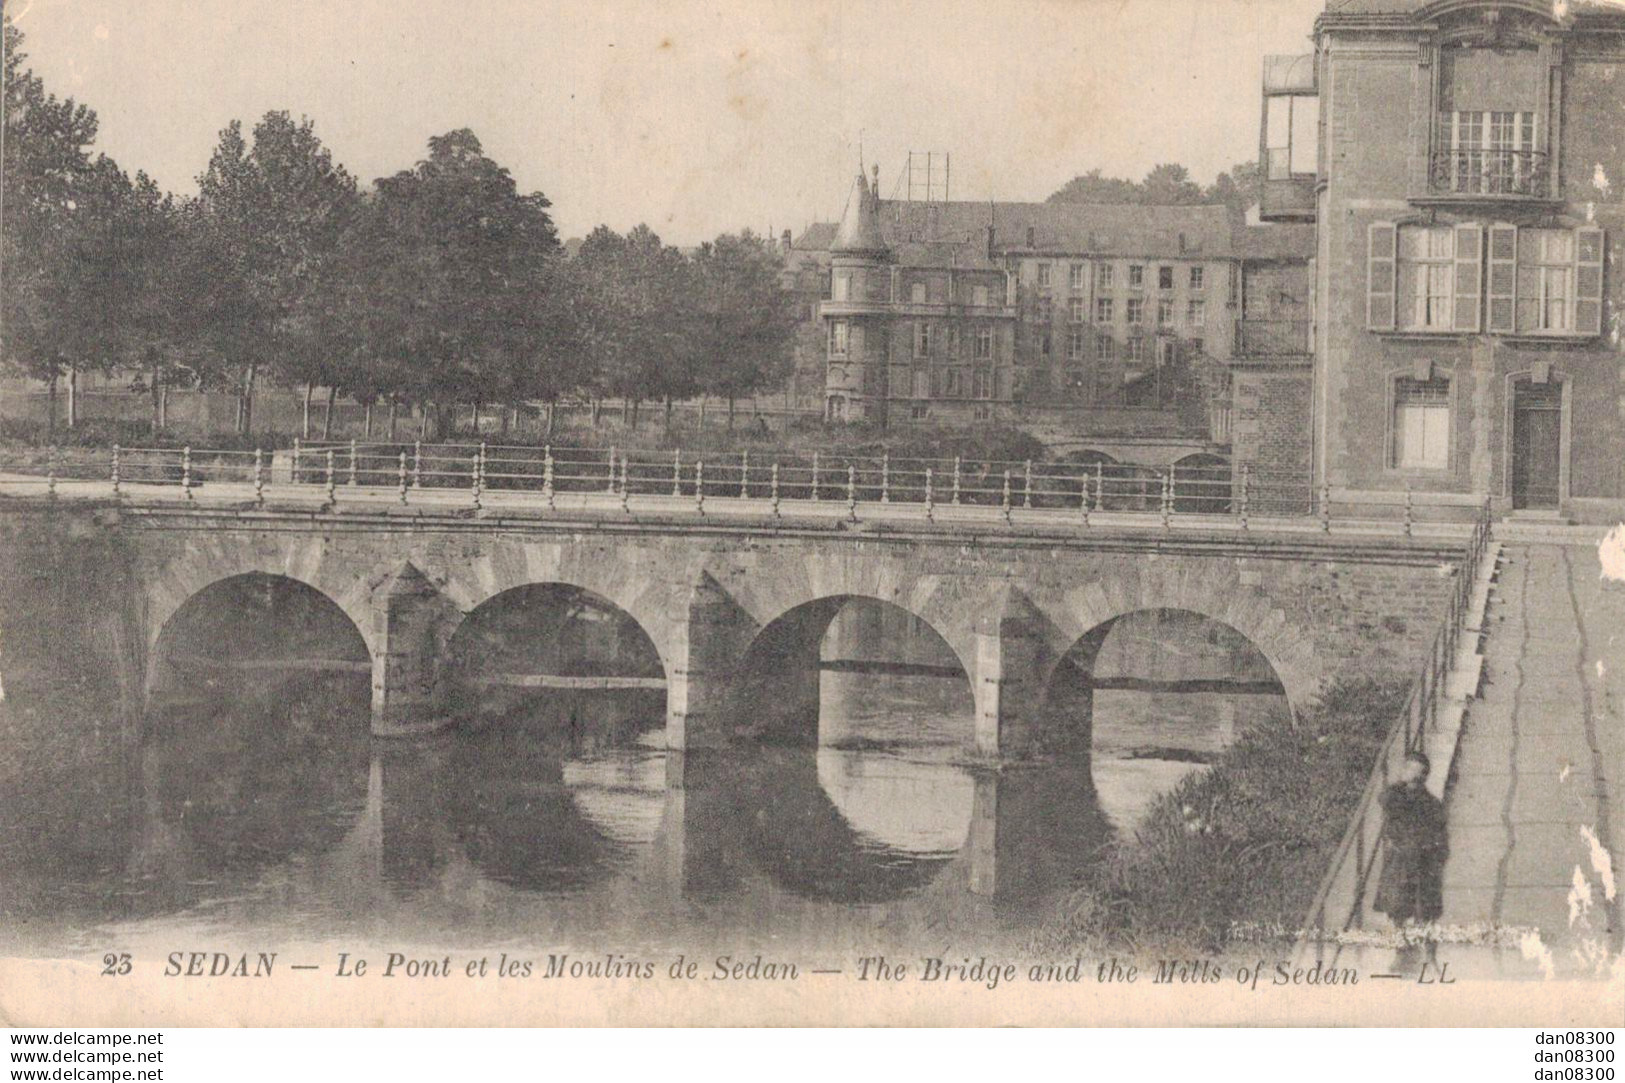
859, 231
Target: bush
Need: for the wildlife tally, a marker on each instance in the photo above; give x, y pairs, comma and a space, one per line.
1247, 841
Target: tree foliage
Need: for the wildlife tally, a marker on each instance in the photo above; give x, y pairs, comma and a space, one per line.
1167, 184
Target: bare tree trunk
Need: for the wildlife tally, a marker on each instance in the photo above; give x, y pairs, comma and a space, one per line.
635, 404
367, 429
304, 427
597, 405
730, 413
476, 417
327, 415
245, 401
702, 411
548, 431
626, 410
73, 395
394, 413
668, 414
163, 407
157, 399
50, 403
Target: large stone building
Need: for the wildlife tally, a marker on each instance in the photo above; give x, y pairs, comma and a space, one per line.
1069, 319
1466, 181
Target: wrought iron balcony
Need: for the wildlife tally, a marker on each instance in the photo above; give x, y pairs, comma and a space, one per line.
1492, 174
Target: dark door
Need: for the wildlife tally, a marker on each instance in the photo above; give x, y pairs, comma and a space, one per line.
1537, 434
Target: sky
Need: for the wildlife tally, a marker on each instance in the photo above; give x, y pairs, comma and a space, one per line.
695, 117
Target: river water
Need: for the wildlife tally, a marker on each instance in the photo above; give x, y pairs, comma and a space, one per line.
258, 810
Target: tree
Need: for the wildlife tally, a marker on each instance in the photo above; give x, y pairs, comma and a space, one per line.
449, 289
747, 332
270, 219
639, 330
1236, 188
46, 167
1095, 187
1169, 185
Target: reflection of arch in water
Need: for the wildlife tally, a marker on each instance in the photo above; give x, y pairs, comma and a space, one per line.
1201, 485
260, 629
1159, 653
511, 812
782, 678
563, 650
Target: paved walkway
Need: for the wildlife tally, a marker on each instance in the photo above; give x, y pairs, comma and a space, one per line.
1536, 812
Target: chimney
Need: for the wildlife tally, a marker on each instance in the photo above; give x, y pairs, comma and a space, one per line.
1030, 237
875, 171
990, 240
786, 242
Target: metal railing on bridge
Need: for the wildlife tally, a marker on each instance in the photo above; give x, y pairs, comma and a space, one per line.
680, 482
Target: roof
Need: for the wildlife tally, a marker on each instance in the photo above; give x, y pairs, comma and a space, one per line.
1282, 241
859, 231
816, 237
1556, 9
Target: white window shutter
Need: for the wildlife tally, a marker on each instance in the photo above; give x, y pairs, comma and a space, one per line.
1588, 259
1469, 273
1503, 280
1381, 241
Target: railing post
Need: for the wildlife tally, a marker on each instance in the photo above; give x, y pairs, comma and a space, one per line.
815, 477
1407, 509
930, 503
417, 464
115, 470
352, 463
744, 474
403, 477
1167, 497
626, 478
1325, 507
677, 472
852, 492
699, 486
259, 478
50, 473
1100, 486
547, 475
885, 477
1245, 471
332, 492
186, 470
956, 479
296, 450
610, 488
477, 474
1004, 500
773, 492
1083, 503
1027, 486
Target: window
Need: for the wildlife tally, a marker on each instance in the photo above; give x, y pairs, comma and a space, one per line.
1165, 312
1490, 153
1427, 258
842, 287
1074, 276
978, 296
1075, 344
1136, 311
1198, 278
1044, 343
1103, 276
1165, 278
922, 339
1074, 310
982, 383
1136, 276
837, 338
1167, 351
1134, 350
953, 384
919, 411
1107, 348
1043, 275
1196, 313
1044, 307
1104, 310
983, 413
1545, 281
916, 293
922, 383
984, 343
1421, 438
1549, 277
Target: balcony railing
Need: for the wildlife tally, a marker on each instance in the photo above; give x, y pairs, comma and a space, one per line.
1272, 338
1524, 174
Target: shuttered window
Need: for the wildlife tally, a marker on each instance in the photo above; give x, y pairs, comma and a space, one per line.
1588, 259
1469, 272
1503, 279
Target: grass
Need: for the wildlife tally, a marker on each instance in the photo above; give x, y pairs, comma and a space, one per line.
1245, 842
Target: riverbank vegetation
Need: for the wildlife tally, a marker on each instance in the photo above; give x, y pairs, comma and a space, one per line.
1245, 843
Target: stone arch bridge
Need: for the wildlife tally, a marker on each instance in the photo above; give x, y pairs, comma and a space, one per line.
719, 600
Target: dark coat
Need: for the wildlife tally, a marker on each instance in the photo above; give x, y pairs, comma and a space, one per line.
1415, 845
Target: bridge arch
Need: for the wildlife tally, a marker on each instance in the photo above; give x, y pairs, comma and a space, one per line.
197, 615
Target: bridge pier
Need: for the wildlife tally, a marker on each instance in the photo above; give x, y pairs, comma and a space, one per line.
1009, 686
699, 689
412, 624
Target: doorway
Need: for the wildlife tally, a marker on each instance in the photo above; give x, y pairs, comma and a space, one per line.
1537, 444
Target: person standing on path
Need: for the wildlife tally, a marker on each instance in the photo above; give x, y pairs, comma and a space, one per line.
1416, 845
